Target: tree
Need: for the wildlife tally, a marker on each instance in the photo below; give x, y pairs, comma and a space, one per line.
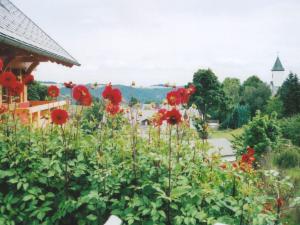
133, 101
231, 87
209, 94
37, 91
289, 93
275, 105
256, 94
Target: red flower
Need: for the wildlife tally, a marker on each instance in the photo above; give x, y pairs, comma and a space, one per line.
235, 165
1, 64
159, 117
184, 95
59, 116
82, 95
86, 100
28, 79
112, 109
250, 151
279, 202
173, 98
173, 116
16, 89
223, 166
69, 84
8, 79
3, 109
191, 89
114, 95
53, 91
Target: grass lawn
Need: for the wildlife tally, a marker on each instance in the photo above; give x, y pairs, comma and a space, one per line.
228, 133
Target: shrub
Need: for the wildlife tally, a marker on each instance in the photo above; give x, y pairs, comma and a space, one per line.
290, 129
288, 159
262, 133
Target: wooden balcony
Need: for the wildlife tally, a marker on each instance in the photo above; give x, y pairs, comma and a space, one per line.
38, 112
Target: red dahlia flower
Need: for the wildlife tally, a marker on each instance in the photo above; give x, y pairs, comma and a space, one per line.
279, 202
159, 117
82, 95
250, 151
191, 89
1, 64
183, 95
114, 95
16, 89
59, 116
112, 109
3, 109
28, 79
173, 116
86, 101
69, 84
173, 98
53, 91
8, 79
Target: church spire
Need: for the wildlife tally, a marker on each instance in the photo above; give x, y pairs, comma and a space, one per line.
278, 65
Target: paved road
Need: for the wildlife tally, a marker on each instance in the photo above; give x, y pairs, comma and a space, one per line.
222, 146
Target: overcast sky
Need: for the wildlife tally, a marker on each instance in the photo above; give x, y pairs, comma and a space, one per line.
159, 41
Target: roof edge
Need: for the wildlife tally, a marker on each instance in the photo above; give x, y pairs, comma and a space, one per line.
23, 45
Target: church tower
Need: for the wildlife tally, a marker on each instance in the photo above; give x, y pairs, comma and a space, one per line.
278, 75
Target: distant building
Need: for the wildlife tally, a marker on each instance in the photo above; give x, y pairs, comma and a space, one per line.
278, 76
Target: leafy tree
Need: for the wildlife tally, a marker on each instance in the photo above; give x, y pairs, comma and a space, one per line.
262, 133
289, 93
133, 101
37, 91
255, 93
231, 87
275, 105
209, 94
239, 116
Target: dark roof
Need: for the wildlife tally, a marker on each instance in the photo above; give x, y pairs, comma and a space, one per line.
17, 30
277, 66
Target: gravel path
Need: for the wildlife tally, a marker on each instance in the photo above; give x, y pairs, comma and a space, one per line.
222, 146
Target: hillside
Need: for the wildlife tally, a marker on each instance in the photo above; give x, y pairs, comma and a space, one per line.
143, 94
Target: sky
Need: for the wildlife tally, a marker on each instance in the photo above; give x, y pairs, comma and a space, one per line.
158, 41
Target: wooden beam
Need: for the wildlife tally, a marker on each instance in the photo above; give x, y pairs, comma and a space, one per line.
32, 67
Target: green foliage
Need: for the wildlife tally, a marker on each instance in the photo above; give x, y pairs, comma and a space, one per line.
262, 133
201, 127
239, 117
66, 175
133, 101
209, 95
288, 158
232, 88
275, 105
255, 94
290, 129
289, 93
37, 91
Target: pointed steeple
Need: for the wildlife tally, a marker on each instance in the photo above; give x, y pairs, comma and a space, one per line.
277, 66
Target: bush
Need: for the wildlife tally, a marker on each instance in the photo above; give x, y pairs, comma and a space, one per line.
291, 129
288, 159
239, 117
37, 91
262, 133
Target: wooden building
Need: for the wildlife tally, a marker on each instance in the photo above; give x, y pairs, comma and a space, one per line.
23, 46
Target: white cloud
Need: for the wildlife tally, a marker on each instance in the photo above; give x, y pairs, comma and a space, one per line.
157, 41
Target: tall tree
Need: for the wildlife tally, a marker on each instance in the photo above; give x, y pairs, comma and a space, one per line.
255, 94
209, 94
231, 87
289, 93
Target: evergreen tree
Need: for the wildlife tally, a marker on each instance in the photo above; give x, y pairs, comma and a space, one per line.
289, 94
